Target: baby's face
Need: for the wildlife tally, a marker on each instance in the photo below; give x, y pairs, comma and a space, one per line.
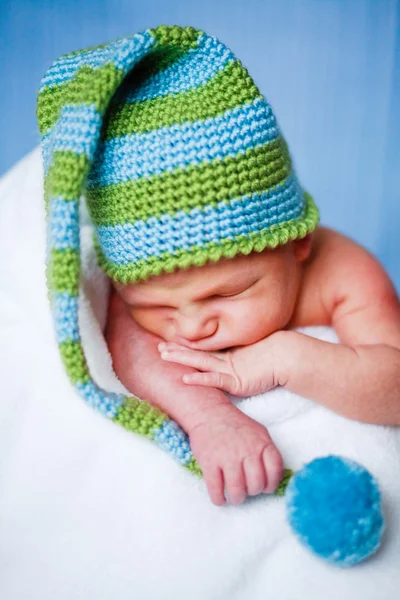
233, 302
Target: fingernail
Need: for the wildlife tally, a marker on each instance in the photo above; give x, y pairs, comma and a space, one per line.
161, 346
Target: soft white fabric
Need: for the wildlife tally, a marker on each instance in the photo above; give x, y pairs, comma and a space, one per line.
88, 510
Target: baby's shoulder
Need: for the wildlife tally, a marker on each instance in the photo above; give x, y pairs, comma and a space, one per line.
352, 289
346, 274
339, 275
345, 268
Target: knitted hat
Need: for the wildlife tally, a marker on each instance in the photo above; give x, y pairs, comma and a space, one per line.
181, 161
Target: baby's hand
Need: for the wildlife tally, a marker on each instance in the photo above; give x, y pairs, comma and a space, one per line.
241, 371
235, 451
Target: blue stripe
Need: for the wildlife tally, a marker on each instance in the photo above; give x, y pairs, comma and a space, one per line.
105, 402
76, 129
65, 313
171, 438
122, 53
63, 224
127, 243
191, 70
141, 155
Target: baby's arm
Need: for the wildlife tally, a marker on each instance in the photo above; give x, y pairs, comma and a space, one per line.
137, 363
359, 378
233, 450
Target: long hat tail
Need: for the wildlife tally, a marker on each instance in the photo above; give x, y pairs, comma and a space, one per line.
73, 97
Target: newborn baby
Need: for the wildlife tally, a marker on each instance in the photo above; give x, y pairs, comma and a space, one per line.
182, 163
228, 327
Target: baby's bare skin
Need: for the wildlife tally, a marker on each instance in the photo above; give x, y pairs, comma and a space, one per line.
332, 281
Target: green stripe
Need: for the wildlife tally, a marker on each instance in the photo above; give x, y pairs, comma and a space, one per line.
194, 467
75, 362
255, 170
139, 417
64, 271
85, 86
230, 87
185, 37
66, 175
198, 256
281, 489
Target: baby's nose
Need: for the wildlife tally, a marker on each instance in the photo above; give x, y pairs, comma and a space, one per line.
194, 329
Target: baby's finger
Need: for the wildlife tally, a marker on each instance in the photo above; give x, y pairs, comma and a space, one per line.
215, 485
254, 472
273, 463
170, 346
216, 380
166, 346
235, 484
193, 358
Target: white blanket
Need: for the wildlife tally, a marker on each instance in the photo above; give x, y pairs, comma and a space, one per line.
90, 511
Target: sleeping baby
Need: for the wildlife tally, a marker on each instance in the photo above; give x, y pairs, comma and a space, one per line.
214, 251
228, 327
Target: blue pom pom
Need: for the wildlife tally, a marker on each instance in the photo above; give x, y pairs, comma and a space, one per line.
334, 508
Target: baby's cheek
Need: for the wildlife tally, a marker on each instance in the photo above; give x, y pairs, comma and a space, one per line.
148, 319
256, 320
246, 322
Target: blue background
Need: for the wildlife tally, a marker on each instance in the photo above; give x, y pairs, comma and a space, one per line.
329, 68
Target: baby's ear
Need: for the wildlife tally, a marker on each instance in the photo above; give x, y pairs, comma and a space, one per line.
302, 248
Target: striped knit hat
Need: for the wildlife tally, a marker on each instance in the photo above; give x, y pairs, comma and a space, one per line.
181, 161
